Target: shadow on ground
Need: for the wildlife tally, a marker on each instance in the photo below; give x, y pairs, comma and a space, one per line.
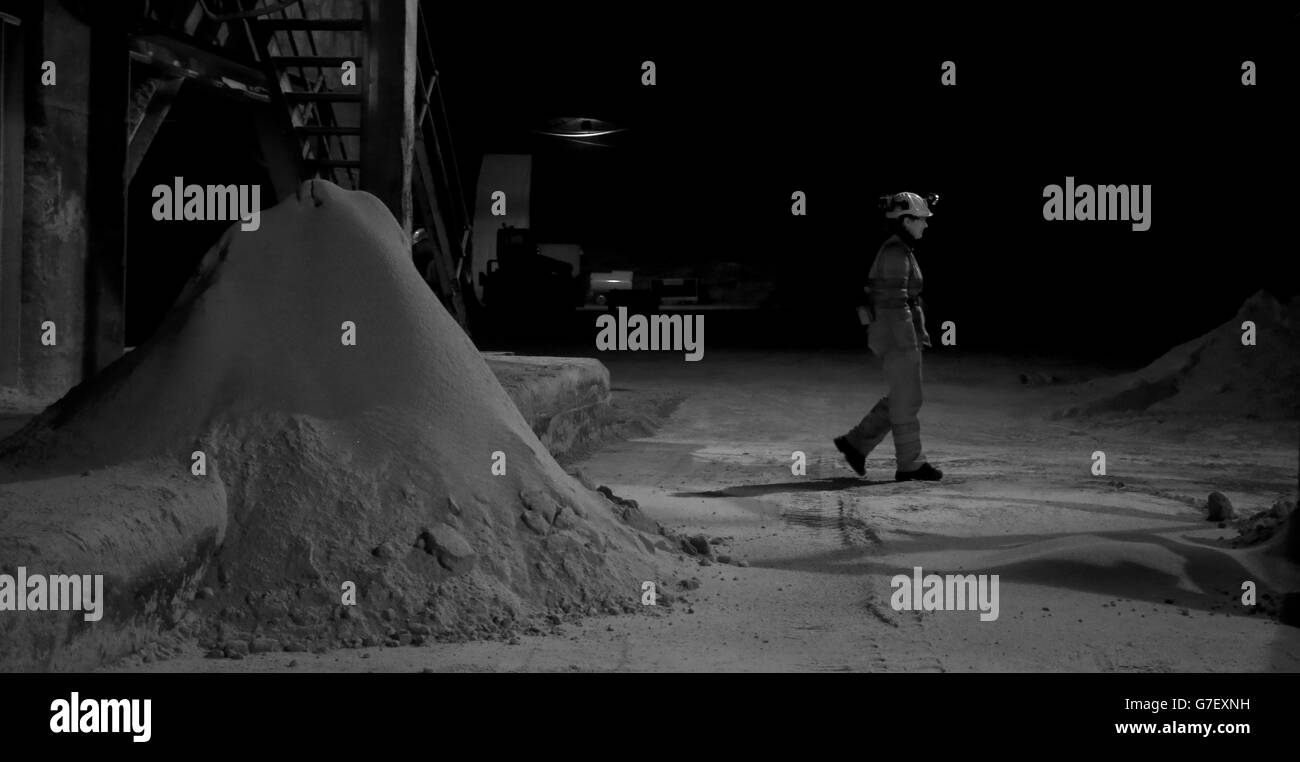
1216, 573
815, 485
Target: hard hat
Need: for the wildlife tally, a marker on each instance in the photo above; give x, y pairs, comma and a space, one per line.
907, 203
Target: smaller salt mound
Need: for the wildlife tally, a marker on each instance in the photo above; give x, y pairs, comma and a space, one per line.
1216, 374
109, 522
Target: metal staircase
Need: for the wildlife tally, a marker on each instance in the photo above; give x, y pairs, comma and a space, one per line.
316, 126
325, 113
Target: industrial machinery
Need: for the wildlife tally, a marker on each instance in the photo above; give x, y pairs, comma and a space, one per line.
521, 276
676, 290
603, 283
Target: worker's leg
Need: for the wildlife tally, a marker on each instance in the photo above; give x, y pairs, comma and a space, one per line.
903, 373
871, 429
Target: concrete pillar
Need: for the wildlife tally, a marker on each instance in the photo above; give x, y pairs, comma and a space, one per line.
75, 151
55, 243
388, 116
12, 82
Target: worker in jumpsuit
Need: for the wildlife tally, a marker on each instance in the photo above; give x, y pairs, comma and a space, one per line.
896, 333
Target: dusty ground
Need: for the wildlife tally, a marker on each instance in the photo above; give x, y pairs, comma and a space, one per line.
1097, 573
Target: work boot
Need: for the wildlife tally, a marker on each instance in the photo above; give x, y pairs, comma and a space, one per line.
857, 461
926, 473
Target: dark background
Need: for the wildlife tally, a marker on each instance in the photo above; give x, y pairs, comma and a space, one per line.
752, 106
847, 107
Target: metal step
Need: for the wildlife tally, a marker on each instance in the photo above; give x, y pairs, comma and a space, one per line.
327, 97
314, 25
326, 62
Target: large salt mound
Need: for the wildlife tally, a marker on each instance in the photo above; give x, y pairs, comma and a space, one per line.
1216, 374
369, 463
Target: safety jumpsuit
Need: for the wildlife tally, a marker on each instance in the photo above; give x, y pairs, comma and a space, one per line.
895, 284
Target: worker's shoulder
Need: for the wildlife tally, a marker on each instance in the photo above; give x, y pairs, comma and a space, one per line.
893, 247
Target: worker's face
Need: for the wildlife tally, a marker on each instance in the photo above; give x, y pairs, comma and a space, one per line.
914, 226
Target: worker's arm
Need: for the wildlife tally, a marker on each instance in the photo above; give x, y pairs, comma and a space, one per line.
886, 260
918, 320
866, 313
915, 303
